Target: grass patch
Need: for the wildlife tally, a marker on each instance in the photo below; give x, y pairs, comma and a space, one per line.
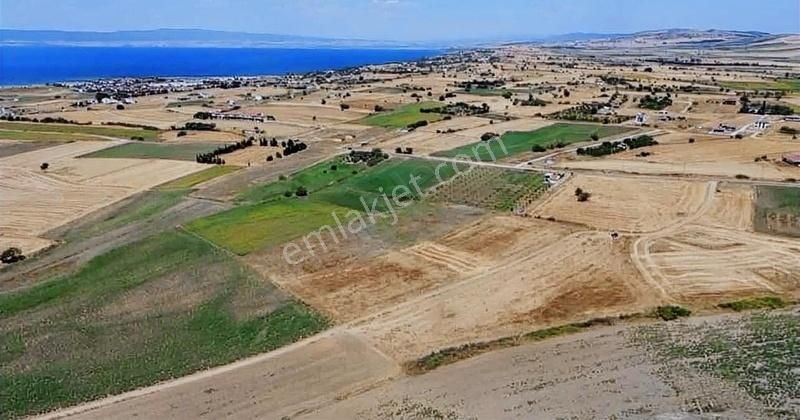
146, 206
313, 178
153, 310
185, 151
763, 302
252, 227
777, 210
760, 353
93, 130
454, 354
403, 116
270, 218
189, 181
784, 85
38, 136
516, 142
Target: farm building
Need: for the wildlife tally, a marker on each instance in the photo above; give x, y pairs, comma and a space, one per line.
792, 158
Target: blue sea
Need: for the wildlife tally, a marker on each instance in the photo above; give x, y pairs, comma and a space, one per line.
34, 65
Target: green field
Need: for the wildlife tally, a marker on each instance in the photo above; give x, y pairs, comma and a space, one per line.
313, 178
777, 203
275, 219
184, 151
94, 130
784, 85
148, 205
153, 310
38, 136
403, 116
197, 178
516, 142
249, 228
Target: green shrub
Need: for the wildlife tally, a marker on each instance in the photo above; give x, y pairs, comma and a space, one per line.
672, 312
763, 302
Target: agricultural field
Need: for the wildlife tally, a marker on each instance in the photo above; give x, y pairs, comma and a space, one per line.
493, 189
516, 142
624, 204
777, 210
36, 201
281, 215
413, 283
403, 116
33, 129
251, 227
187, 151
783, 85
153, 310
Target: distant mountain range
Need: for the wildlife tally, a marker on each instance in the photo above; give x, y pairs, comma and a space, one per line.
180, 38
666, 38
673, 38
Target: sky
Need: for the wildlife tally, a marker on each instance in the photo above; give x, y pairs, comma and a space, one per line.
404, 20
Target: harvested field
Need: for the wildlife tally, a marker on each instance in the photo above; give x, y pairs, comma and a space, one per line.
254, 155
524, 290
732, 208
624, 204
194, 136
726, 157
705, 265
35, 201
13, 147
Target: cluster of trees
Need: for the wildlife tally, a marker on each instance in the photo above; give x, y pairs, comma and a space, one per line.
607, 147
202, 115
197, 126
537, 148
764, 108
416, 125
458, 109
45, 120
291, 147
480, 84
11, 255
488, 136
582, 195
131, 125
371, 158
588, 111
446, 95
655, 102
531, 101
213, 158
404, 151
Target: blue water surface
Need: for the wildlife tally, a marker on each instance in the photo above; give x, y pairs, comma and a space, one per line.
22, 65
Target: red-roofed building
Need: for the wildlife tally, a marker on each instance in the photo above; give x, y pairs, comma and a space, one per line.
792, 159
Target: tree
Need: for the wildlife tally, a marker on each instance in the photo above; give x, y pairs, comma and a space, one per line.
595, 137
120, 107
44, 166
11, 255
344, 107
566, 93
301, 191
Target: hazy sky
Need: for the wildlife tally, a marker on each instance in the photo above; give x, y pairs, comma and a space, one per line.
406, 20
